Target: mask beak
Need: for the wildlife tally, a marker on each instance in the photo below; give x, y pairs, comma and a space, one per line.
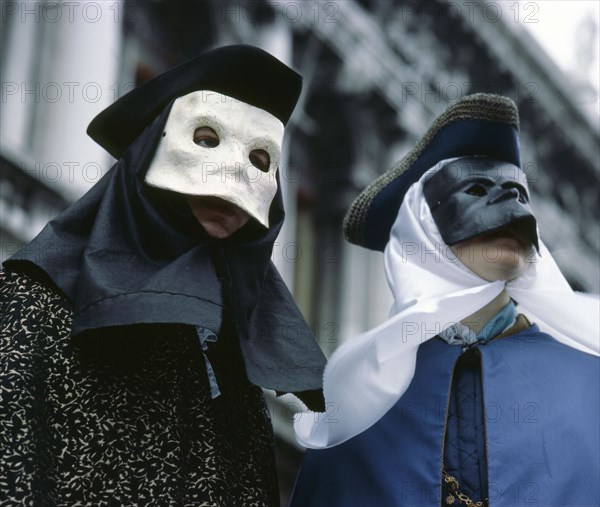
526, 229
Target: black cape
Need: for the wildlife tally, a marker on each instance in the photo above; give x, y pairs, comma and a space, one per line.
128, 254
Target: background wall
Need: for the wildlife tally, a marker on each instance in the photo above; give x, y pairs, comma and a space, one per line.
376, 73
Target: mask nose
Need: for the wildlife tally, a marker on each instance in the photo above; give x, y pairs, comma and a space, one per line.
504, 194
235, 160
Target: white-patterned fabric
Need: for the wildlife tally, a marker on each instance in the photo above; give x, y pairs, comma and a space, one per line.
432, 290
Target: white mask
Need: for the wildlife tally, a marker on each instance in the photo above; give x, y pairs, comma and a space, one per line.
225, 170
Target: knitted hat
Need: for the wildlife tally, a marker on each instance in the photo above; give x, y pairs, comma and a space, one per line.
479, 124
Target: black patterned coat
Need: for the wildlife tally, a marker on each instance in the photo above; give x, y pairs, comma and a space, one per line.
125, 418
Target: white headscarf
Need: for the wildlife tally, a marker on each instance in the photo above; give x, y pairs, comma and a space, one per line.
432, 289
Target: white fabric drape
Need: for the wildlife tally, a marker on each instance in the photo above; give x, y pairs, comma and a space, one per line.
432, 289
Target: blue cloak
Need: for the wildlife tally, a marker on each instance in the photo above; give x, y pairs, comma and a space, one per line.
541, 404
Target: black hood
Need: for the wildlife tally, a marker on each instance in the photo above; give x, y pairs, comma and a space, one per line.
127, 254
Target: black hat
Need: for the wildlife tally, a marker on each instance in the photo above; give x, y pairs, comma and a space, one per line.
243, 72
479, 124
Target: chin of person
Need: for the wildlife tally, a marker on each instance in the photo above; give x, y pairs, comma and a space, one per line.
219, 218
219, 229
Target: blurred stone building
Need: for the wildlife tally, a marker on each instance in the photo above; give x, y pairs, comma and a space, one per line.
376, 73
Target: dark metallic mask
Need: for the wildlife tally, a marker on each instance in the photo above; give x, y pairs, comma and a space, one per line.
476, 195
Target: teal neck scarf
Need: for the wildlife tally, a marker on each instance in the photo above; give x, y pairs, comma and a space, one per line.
459, 334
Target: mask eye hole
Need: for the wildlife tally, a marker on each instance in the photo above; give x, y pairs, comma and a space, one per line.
206, 137
476, 190
260, 159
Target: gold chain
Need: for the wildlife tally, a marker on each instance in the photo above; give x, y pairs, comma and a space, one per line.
454, 493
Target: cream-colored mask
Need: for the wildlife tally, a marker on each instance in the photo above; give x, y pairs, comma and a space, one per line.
225, 170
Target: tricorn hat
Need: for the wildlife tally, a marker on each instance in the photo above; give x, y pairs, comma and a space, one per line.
479, 124
246, 73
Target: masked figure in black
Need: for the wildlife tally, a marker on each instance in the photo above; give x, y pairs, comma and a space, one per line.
138, 325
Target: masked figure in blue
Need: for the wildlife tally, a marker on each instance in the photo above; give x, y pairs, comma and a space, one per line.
482, 387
